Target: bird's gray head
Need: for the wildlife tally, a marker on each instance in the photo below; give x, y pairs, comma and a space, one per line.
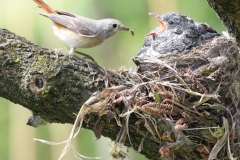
109, 27
173, 19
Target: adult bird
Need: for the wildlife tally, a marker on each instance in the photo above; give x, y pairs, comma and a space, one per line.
78, 31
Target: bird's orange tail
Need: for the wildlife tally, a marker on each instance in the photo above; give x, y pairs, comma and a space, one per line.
44, 6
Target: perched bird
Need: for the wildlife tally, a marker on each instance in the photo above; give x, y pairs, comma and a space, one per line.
78, 31
177, 33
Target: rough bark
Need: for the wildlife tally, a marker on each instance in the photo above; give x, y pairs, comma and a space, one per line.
47, 82
229, 13
54, 86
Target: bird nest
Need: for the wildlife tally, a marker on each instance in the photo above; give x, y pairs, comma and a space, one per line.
183, 96
196, 94
187, 102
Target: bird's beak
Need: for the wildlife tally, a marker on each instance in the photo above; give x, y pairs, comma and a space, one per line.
164, 26
123, 28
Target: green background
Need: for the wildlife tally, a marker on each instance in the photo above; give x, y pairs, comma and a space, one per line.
16, 138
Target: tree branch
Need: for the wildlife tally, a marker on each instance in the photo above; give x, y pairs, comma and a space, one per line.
229, 13
45, 81
54, 86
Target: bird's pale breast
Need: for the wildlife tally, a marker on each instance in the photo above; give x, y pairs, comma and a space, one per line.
74, 39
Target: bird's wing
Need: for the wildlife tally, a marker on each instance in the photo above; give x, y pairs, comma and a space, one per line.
81, 25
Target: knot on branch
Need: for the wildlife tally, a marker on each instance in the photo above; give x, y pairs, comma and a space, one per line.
38, 84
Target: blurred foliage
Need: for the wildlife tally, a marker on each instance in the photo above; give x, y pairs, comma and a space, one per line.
19, 17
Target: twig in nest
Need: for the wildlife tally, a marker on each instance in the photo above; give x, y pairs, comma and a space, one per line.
221, 142
151, 126
93, 104
196, 82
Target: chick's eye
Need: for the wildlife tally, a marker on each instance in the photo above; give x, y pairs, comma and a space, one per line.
170, 22
114, 25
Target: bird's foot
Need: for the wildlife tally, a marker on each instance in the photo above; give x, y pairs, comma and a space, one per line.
93, 61
86, 56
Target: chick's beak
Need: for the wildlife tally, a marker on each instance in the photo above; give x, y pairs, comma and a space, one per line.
123, 28
163, 25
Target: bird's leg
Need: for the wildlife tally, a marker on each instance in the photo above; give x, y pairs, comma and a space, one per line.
106, 76
73, 50
86, 56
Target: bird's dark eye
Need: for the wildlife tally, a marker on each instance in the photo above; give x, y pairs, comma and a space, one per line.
114, 25
170, 22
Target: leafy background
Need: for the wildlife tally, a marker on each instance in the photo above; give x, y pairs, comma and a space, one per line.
16, 138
